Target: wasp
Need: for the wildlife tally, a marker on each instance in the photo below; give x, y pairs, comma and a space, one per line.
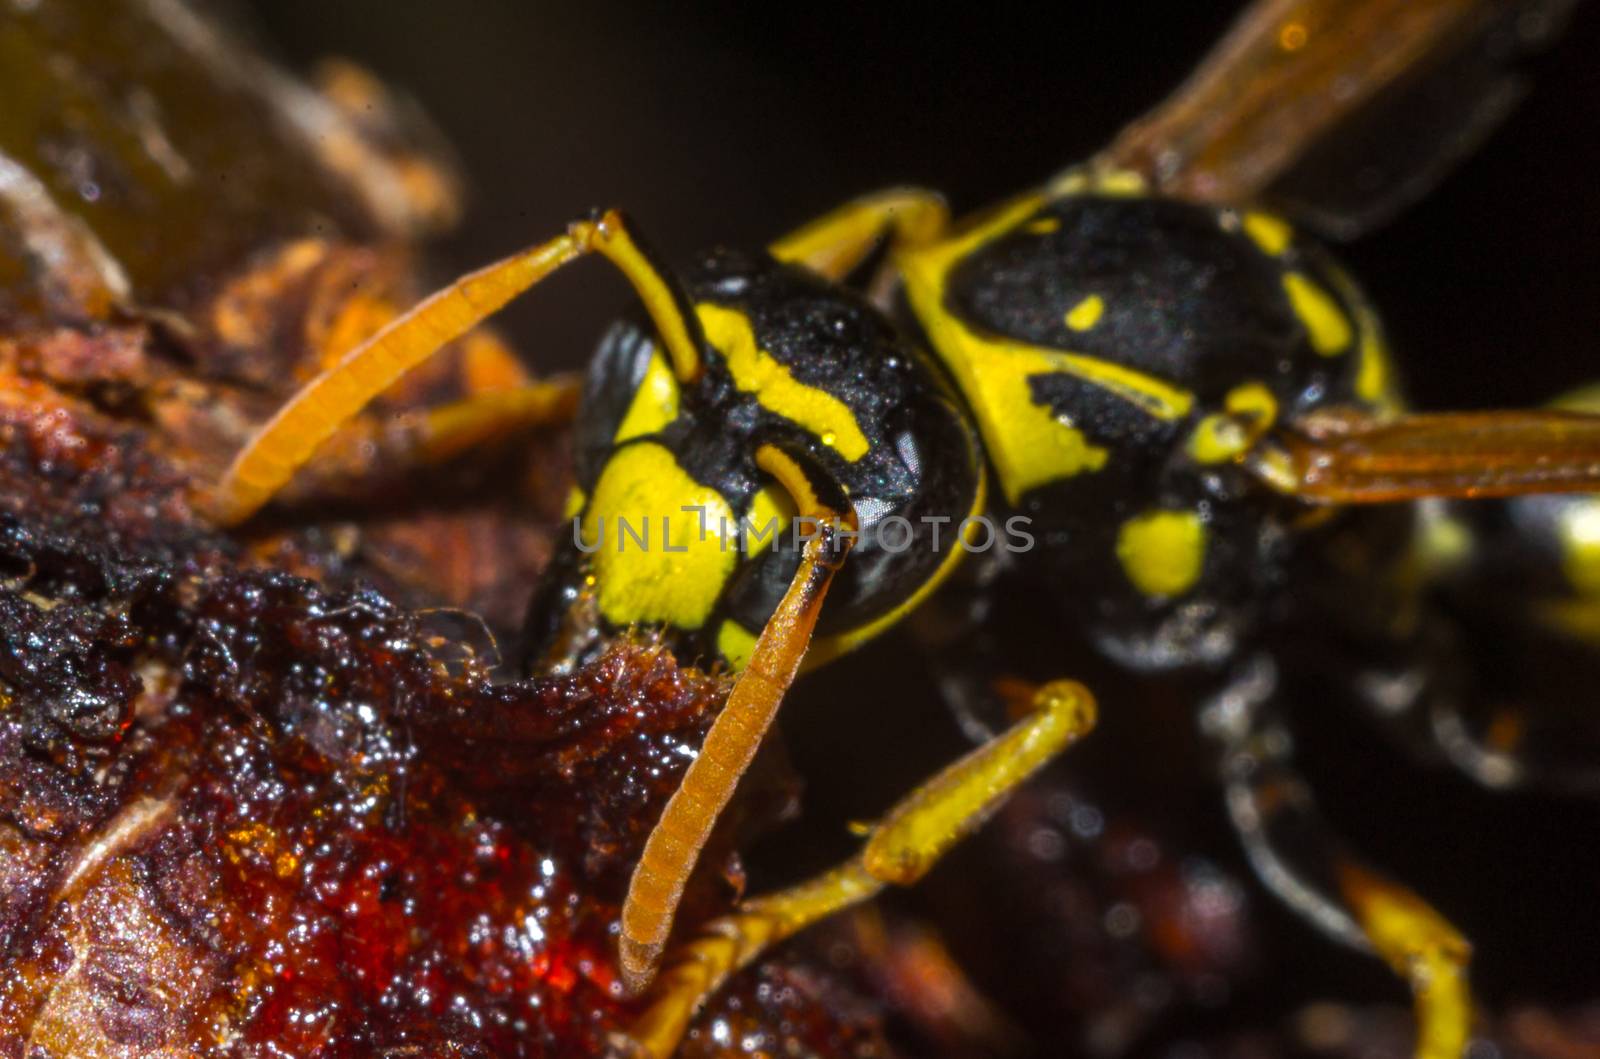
1166, 382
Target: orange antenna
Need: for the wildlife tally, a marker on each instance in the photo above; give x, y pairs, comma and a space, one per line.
674, 847
291, 438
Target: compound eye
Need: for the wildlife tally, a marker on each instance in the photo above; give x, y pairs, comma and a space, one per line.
628, 392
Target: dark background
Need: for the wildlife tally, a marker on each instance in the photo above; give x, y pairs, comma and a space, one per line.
728, 122
731, 122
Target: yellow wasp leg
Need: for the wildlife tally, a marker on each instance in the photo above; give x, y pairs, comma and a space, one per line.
835, 243
1295, 854
1423, 949
391, 445
674, 845
445, 431
327, 402
900, 850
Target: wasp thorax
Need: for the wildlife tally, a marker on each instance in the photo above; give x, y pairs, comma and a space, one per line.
1122, 353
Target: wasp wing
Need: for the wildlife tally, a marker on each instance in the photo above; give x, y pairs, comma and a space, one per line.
1352, 457
1342, 111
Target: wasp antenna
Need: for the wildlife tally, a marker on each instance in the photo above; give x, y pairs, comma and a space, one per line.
291, 437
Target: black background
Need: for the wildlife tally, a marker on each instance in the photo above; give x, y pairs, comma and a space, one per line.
730, 122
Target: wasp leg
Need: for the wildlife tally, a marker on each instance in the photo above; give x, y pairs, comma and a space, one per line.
335, 396
837, 242
1291, 849
1508, 747
374, 445
674, 845
901, 849
437, 434
1522, 724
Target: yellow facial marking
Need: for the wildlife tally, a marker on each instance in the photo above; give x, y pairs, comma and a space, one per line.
756, 371
654, 404
771, 512
1162, 552
736, 644
1324, 322
1086, 313
1029, 444
676, 573
1271, 234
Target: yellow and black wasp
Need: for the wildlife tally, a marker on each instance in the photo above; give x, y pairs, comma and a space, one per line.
1140, 380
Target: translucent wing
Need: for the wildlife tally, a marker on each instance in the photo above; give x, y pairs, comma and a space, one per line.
1344, 111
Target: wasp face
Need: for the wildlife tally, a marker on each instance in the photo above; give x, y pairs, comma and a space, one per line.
793, 363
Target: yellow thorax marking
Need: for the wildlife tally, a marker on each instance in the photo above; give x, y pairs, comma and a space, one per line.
1324, 322
735, 643
654, 404
1087, 313
1162, 552
1029, 444
1249, 410
756, 371
772, 512
1375, 380
1374, 377
1112, 183
1271, 234
660, 566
